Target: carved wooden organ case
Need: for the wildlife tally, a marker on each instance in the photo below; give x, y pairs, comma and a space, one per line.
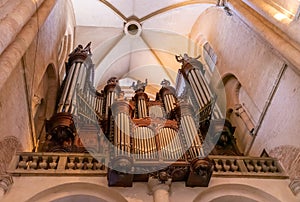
165, 138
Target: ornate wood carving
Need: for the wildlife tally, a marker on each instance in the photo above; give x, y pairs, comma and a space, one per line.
165, 145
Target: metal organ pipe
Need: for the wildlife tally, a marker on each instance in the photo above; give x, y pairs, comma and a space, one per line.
196, 92
83, 80
190, 133
142, 109
200, 87
204, 85
144, 143
66, 89
169, 143
140, 102
121, 136
167, 94
72, 88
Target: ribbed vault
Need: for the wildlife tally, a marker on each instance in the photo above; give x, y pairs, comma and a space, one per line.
137, 39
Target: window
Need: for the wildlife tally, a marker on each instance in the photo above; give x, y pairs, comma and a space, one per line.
210, 56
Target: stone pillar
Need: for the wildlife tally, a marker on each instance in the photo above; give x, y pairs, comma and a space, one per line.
159, 189
5, 183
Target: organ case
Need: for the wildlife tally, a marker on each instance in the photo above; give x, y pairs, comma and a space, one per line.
142, 137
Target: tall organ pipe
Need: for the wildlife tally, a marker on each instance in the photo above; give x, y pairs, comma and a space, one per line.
69, 100
121, 111
111, 91
184, 115
167, 94
200, 87
140, 100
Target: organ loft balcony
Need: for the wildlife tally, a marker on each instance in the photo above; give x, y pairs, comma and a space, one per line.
181, 135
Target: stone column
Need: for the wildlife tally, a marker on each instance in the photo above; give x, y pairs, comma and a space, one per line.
5, 183
159, 189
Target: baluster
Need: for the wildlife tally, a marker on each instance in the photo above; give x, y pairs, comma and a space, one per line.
233, 165
43, 163
54, 162
79, 164
225, 165
33, 164
218, 165
265, 167
271, 165
71, 164
98, 165
257, 166
23, 162
249, 165
90, 164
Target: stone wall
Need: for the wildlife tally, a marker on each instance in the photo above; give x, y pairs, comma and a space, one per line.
51, 188
257, 65
34, 38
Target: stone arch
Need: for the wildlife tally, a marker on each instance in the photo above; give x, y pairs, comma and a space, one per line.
8, 147
235, 85
236, 111
44, 99
78, 189
235, 192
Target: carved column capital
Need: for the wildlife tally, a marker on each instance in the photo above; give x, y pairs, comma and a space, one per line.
160, 189
5, 183
295, 186
155, 184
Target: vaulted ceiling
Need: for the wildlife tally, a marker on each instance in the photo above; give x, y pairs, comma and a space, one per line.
136, 39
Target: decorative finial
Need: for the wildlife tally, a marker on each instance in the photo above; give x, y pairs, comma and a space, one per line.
139, 86
165, 83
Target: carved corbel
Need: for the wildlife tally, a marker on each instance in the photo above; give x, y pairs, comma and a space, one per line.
295, 186
6, 182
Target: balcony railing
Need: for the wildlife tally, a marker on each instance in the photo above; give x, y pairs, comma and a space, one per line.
27, 163
243, 166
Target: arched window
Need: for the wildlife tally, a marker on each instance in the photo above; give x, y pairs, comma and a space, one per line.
237, 113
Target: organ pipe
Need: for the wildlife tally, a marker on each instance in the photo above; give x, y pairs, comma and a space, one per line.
141, 98
121, 111
111, 92
190, 133
167, 94
142, 131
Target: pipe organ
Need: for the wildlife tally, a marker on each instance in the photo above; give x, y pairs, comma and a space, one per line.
120, 128
188, 126
141, 137
141, 98
144, 143
111, 91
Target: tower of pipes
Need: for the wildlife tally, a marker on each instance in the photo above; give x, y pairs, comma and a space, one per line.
192, 86
79, 108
